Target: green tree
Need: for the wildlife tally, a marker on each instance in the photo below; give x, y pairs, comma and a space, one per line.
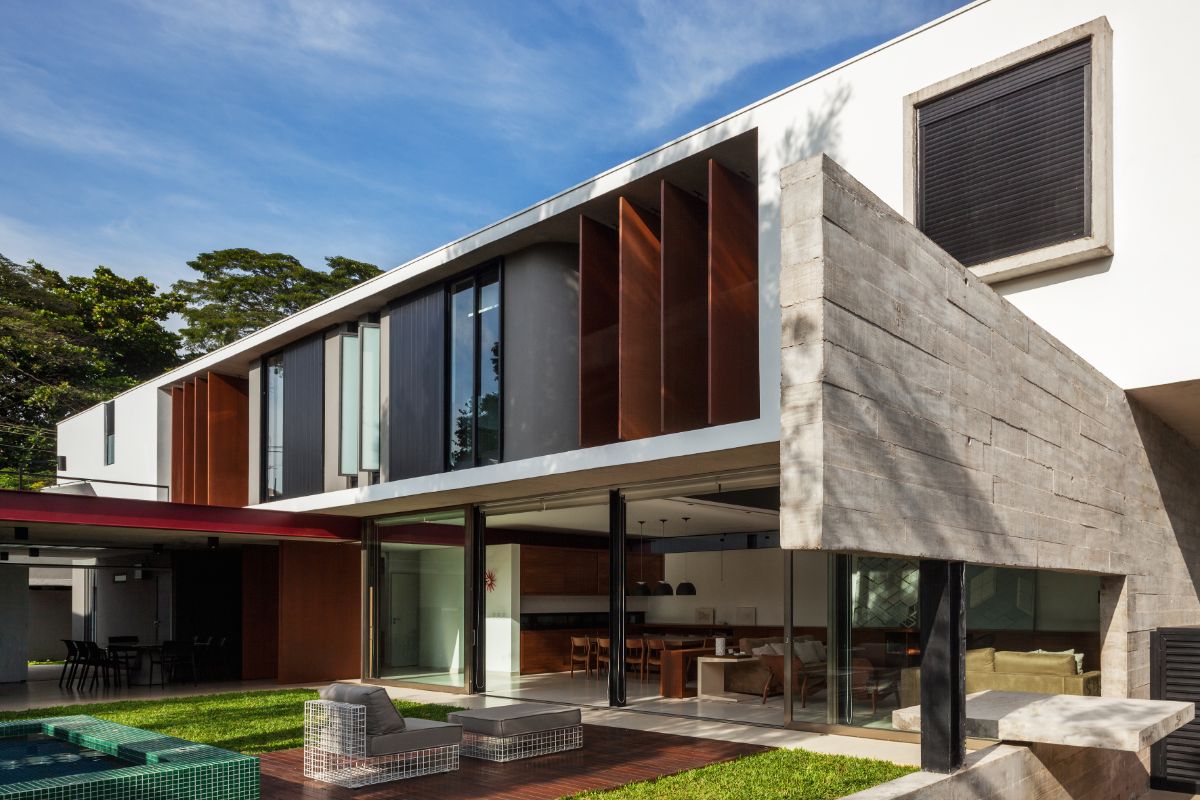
240, 290
67, 343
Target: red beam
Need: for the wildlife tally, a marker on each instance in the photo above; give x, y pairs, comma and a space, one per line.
113, 512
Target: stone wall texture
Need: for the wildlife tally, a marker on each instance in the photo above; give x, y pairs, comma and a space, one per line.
1046, 772
923, 415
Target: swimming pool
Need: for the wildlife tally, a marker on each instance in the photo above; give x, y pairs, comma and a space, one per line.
84, 757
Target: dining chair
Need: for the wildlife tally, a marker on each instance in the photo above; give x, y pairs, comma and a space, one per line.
581, 650
170, 658
603, 646
654, 648
69, 665
635, 656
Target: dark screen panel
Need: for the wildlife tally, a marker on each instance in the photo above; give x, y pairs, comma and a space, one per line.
684, 310
597, 333
304, 417
639, 337
416, 385
1003, 164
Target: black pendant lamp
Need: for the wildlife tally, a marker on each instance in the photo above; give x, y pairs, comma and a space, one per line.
687, 587
663, 589
640, 589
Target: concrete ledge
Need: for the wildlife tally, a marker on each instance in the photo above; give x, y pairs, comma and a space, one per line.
1107, 723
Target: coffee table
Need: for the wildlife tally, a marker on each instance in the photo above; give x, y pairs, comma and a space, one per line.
710, 677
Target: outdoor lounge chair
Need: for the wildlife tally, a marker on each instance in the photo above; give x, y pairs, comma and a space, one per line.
353, 736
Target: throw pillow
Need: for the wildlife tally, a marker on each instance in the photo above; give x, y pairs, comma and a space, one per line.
1078, 657
820, 647
778, 648
764, 650
381, 718
807, 652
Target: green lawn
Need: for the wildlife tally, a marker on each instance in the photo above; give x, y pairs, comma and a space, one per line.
778, 774
44, 663
248, 722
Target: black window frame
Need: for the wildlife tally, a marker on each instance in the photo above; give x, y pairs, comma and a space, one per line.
473, 275
263, 429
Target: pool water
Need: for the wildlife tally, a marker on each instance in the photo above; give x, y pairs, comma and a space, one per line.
35, 756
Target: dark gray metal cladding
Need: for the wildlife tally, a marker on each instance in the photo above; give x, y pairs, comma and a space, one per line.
304, 417
416, 384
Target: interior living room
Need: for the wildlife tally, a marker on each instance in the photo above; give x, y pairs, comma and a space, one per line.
707, 599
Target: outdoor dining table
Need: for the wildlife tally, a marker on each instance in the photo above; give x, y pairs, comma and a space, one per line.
143, 653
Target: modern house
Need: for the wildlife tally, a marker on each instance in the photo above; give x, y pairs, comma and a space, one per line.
897, 363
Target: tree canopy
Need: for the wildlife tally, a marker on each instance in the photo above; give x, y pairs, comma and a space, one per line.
240, 290
67, 343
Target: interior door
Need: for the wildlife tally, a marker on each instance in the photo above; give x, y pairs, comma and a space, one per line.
403, 644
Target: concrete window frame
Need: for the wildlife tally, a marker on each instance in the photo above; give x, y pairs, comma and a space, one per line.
1099, 243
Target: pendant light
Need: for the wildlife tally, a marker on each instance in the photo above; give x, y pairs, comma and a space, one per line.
640, 589
663, 589
687, 587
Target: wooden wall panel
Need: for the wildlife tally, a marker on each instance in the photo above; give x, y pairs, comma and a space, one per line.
177, 423
320, 612
260, 611
640, 323
188, 476
598, 340
732, 296
228, 440
200, 445
684, 310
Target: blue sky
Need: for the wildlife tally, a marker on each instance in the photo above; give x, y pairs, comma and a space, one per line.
136, 133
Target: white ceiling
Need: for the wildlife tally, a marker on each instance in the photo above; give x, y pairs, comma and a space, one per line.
704, 518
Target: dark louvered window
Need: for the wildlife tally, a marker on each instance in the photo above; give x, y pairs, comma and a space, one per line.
1003, 163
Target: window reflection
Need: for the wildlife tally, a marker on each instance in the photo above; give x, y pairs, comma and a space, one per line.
475, 354
273, 451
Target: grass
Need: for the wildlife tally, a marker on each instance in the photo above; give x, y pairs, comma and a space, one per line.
45, 663
776, 774
248, 722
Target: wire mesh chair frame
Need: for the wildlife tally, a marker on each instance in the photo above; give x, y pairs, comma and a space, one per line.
335, 749
524, 745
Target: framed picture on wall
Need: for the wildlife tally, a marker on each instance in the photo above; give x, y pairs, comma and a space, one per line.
706, 616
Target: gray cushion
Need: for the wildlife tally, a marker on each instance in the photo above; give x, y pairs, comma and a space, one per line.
421, 734
515, 720
382, 716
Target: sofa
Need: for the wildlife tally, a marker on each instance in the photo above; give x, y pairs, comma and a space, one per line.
1012, 671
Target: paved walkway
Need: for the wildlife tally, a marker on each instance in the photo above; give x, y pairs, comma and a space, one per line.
609, 758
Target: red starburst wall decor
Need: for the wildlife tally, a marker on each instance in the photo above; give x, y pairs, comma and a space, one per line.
489, 580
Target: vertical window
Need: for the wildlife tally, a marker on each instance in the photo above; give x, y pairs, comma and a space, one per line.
349, 406
110, 439
474, 370
369, 399
273, 428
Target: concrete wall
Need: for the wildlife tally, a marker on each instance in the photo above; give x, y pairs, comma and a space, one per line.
1047, 772
14, 623
541, 346
924, 415
129, 608
49, 622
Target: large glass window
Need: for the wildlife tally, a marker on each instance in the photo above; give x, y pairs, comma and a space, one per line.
369, 397
110, 437
273, 427
349, 406
475, 355
420, 591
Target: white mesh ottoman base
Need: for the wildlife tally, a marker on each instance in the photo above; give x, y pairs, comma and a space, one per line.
523, 745
352, 773
524, 730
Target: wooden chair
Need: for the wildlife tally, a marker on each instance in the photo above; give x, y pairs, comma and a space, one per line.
654, 648
869, 682
581, 650
635, 656
603, 646
806, 678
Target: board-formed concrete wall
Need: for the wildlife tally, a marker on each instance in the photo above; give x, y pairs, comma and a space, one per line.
924, 415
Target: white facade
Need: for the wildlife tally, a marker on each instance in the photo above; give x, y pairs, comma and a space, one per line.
1129, 315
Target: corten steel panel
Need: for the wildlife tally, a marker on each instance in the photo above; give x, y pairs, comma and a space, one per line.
319, 612
260, 611
200, 447
177, 420
416, 390
228, 434
598, 318
640, 324
732, 297
304, 417
684, 310
189, 444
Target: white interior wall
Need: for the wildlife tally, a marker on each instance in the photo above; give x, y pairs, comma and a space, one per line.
14, 623
503, 609
441, 608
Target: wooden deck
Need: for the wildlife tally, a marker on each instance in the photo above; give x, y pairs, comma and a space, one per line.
610, 757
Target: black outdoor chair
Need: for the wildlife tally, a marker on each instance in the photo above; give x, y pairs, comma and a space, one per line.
97, 662
170, 659
70, 664
123, 652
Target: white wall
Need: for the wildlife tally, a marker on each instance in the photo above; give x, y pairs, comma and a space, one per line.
14, 623
142, 425
129, 608
743, 578
502, 634
441, 608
